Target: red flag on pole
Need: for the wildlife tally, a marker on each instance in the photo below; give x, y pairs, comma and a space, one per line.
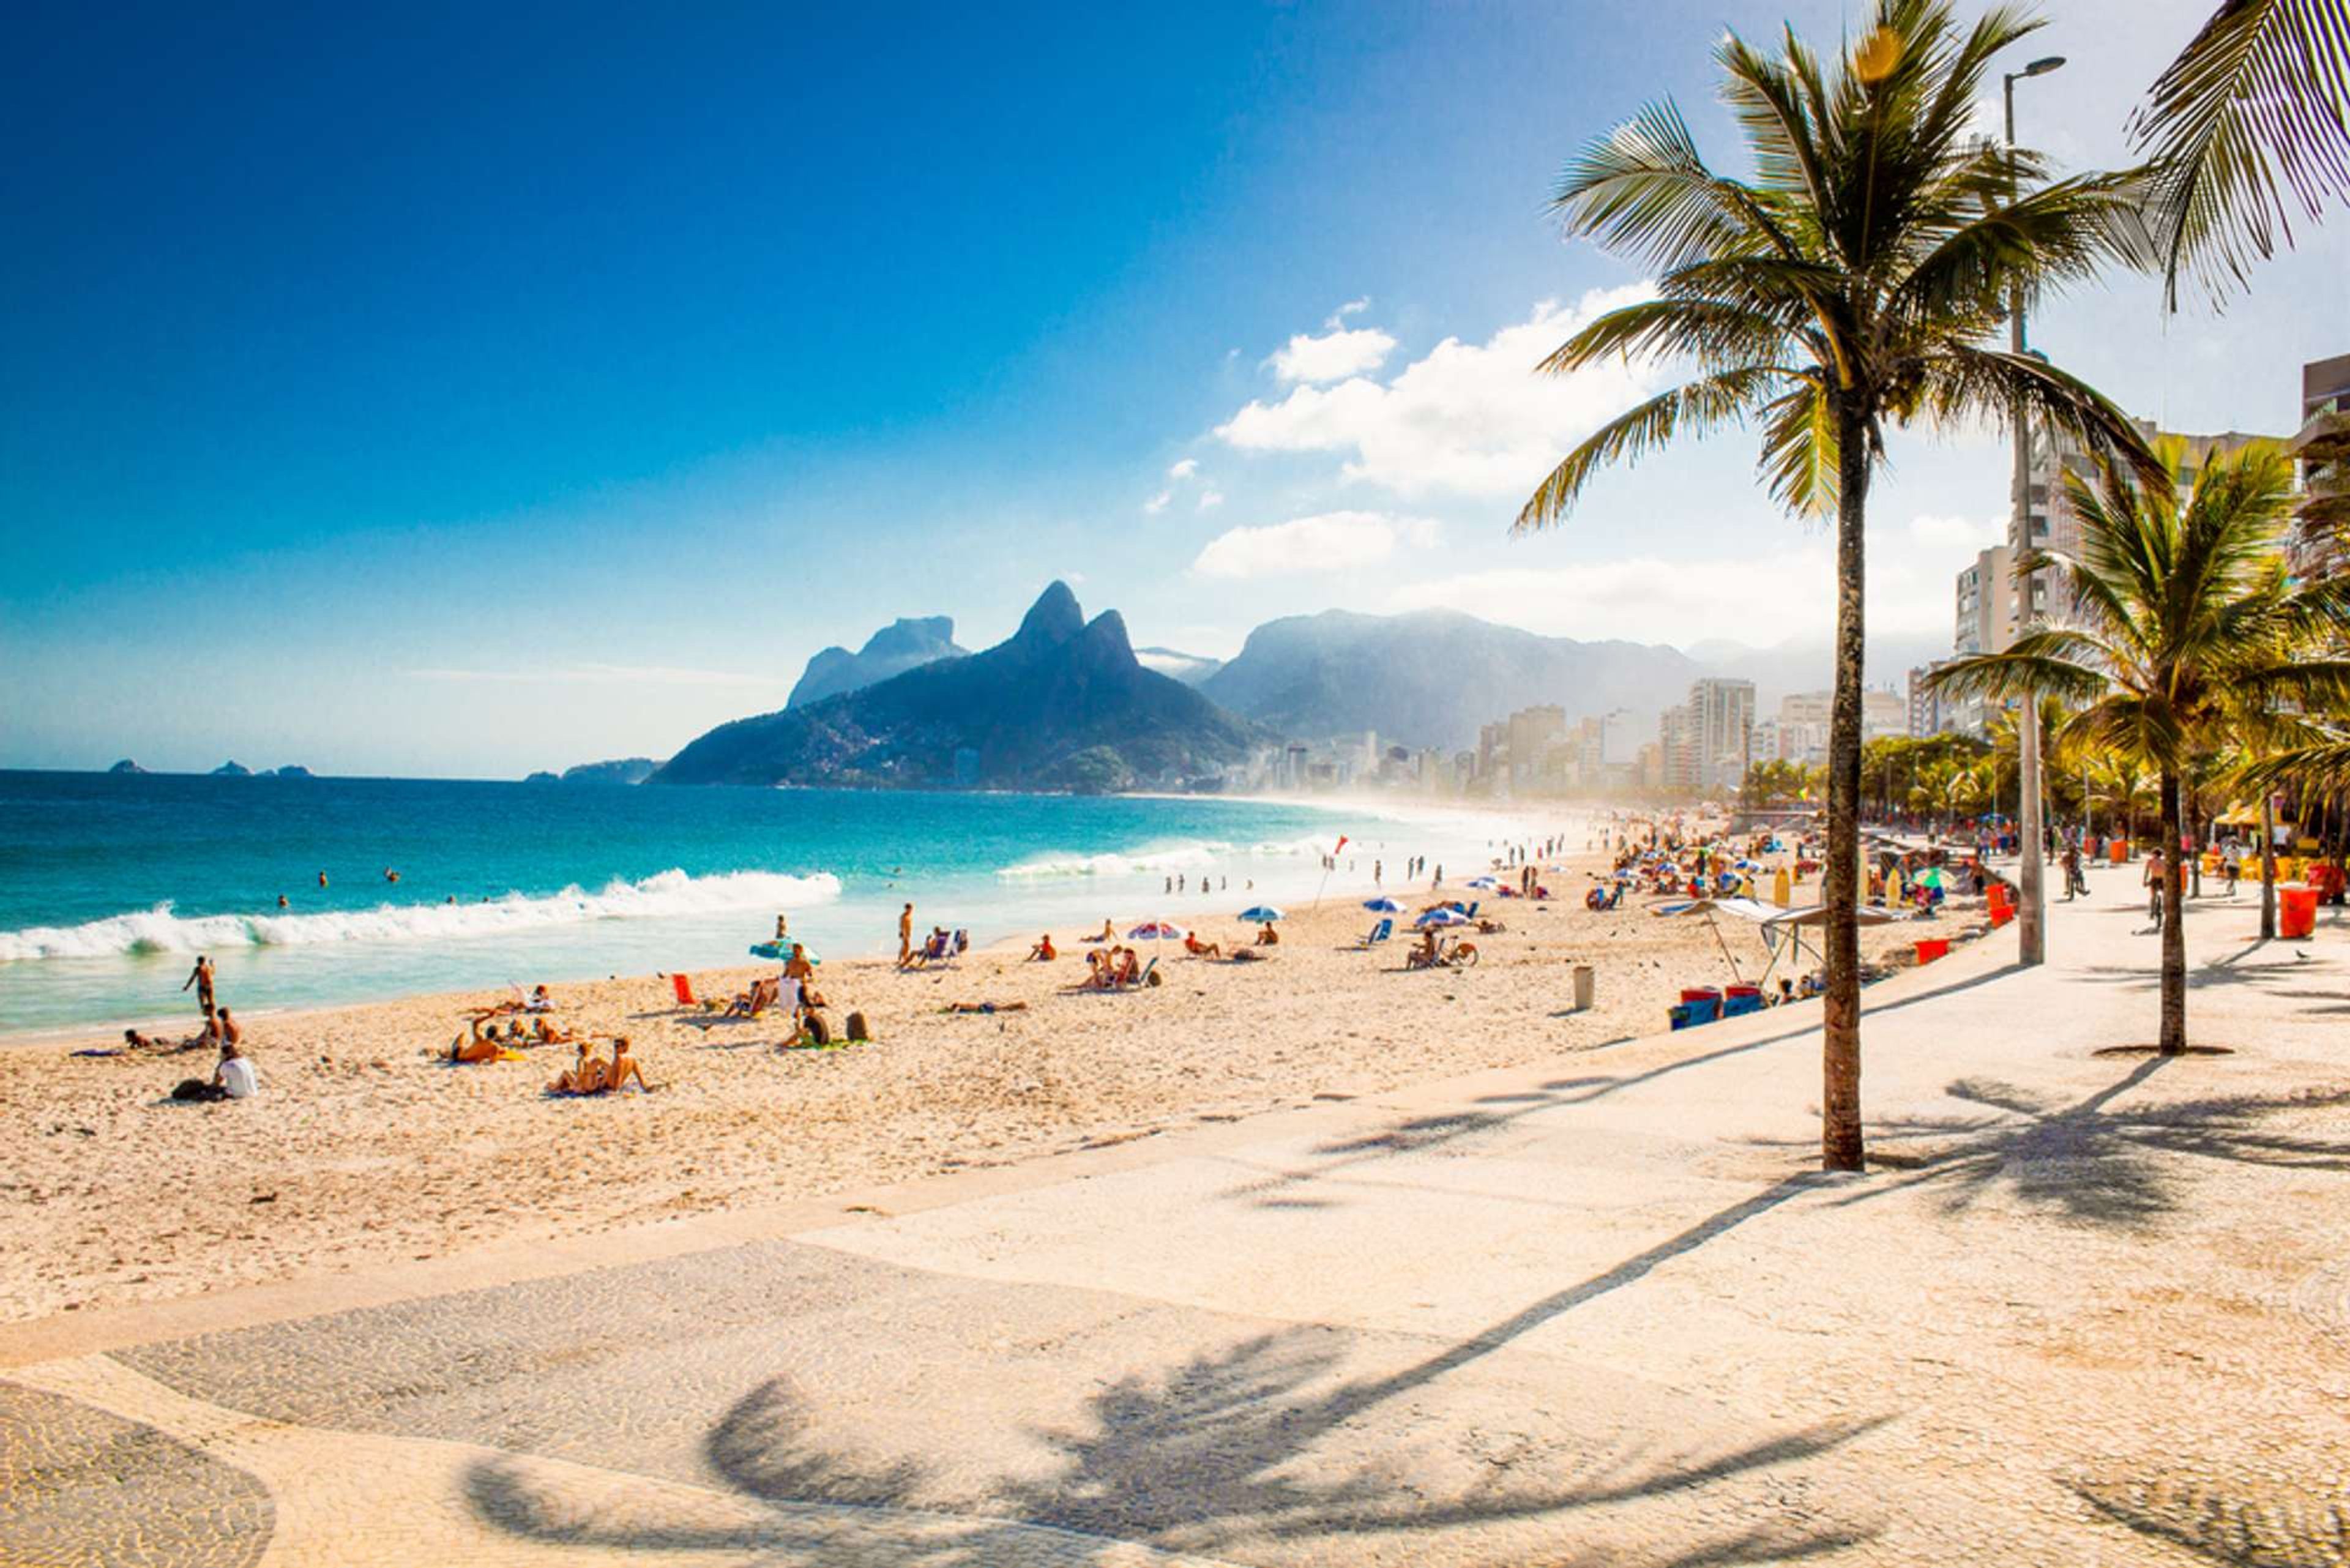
1342, 843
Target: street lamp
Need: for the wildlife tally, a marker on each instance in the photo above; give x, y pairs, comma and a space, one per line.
2031, 925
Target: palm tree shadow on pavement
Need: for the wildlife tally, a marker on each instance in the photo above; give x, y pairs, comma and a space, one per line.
1247, 1449
2091, 1161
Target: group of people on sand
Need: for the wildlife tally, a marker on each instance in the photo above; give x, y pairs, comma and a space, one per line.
232, 1075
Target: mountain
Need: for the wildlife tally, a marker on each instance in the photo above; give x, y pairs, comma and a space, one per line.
1063, 703
619, 771
126, 766
901, 645
232, 768
290, 770
1191, 669
1431, 678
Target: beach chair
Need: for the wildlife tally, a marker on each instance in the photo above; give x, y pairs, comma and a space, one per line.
1379, 932
683, 987
1143, 978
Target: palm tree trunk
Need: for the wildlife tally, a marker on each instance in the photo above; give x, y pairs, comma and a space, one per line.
2174, 928
2268, 867
1840, 1140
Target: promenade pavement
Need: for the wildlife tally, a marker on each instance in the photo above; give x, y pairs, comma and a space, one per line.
2085, 1307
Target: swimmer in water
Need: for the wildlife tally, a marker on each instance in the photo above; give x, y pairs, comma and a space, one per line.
322, 878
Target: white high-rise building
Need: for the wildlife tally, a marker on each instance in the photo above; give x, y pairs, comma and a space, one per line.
1720, 732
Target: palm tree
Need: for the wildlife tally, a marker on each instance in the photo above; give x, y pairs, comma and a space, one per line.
1856, 280
2192, 633
2249, 124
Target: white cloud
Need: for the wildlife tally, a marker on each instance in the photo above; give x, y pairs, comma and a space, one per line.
1333, 357
1327, 542
1767, 593
1158, 503
1468, 418
1354, 306
1211, 499
1957, 535
1183, 470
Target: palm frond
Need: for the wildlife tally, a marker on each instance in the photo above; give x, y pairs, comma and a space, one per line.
1700, 406
2249, 122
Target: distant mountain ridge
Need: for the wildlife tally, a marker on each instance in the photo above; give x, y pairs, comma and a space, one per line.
1429, 678
1063, 703
904, 644
1191, 669
618, 771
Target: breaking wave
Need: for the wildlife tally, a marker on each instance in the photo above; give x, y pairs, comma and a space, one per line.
670, 893
1158, 860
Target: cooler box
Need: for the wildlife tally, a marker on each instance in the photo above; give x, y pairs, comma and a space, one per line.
1706, 993
1738, 1000
2296, 910
1933, 948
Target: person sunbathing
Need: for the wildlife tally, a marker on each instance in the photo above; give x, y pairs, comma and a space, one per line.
1198, 948
757, 999
478, 1045
1267, 937
987, 1007
1129, 967
621, 1068
1043, 951
539, 1001
1108, 934
584, 1076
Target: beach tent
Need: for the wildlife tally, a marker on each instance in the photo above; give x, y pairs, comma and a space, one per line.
1784, 931
1262, 913
1707, 908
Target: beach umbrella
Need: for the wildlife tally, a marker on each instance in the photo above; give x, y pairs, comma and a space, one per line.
1482, 882
1262, 914
1156, 931
1383, 905
766, 950
1445, 916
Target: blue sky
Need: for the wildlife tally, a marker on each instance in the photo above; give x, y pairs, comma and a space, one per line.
464, 391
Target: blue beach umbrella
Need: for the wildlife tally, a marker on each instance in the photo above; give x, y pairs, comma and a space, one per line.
1383, 905
1262, 914
1447, 916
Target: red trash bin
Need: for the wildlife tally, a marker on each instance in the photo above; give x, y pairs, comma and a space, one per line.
2296, 910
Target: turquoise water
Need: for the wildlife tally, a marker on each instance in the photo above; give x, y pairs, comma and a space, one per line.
111, 885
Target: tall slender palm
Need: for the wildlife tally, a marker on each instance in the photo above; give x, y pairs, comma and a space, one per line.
2249, 124
1856, 280
2192, 634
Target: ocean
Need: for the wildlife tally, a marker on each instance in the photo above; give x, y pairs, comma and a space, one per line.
111, 885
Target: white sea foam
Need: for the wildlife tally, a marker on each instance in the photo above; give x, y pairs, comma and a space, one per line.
1157, 859
671, 893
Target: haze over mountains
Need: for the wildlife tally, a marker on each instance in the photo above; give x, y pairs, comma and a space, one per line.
1063, 703
1066, 703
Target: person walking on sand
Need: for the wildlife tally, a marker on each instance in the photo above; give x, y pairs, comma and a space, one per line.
905, 935
200, 976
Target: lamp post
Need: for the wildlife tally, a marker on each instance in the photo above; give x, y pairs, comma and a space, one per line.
2031, 925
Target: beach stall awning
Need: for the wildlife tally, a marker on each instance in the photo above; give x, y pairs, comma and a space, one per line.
1817, 915
2241, 816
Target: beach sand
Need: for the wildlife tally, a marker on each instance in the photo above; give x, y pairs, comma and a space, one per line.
363, 1147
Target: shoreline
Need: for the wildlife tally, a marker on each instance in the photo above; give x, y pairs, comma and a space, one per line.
364, 1146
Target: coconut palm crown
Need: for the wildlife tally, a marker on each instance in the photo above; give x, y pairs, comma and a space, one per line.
2192, 638
1854, 281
